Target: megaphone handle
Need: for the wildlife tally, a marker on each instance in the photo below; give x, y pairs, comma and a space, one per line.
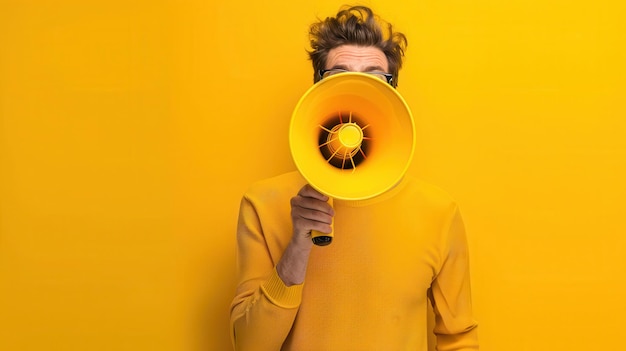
323, 239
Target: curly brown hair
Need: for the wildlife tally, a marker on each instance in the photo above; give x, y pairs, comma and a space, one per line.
356, 25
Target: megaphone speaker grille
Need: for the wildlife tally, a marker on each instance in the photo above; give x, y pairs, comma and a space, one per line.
343, 141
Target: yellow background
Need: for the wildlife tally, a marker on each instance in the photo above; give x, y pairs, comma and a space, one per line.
130, 129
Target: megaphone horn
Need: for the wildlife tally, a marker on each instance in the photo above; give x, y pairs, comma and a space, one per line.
352, 137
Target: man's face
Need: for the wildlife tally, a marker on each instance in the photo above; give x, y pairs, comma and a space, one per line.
357, 59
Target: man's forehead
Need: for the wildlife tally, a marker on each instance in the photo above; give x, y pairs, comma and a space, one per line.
357, 58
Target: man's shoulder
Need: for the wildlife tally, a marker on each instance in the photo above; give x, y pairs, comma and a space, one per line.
422, 190
280, 186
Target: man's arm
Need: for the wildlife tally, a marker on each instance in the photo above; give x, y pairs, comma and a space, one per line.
268, 296
450, 292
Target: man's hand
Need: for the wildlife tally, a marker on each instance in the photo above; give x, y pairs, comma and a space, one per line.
310, 210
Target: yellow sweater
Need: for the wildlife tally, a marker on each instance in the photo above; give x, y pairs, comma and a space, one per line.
368, 289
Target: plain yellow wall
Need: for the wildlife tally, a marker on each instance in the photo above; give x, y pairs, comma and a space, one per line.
130, 129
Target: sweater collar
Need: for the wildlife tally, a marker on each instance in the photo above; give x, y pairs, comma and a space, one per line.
380, 198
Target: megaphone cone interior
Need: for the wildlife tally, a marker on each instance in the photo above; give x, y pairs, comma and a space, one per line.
352, 136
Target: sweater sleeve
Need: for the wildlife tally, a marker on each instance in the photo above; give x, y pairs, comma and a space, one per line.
450, 293
264, 308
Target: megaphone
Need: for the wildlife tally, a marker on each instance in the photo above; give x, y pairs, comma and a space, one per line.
352, 137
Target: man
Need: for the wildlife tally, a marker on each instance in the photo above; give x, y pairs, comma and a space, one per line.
369, 289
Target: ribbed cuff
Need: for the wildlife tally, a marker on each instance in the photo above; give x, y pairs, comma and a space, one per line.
280, 294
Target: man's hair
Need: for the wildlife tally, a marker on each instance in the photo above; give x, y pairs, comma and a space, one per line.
356, 25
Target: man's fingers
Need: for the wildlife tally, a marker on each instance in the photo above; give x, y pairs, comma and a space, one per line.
311, 206
308, 191
306, 225
323, 216
310, 210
